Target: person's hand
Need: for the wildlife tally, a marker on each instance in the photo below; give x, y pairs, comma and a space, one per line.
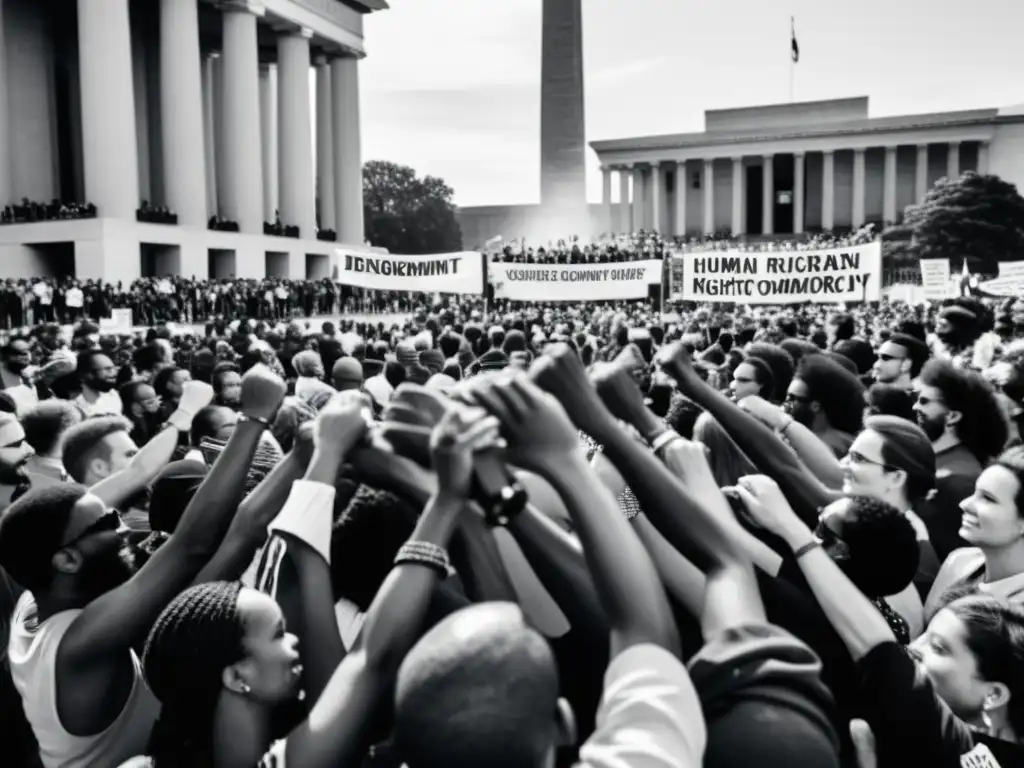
429, 405
386, 469
559, 372
864, 744
766, 505
769, 414
262, 393
690, 458
675, 360
304, 442
539, 432
195, 395
462, 432
409, 440
342, 423
618, 390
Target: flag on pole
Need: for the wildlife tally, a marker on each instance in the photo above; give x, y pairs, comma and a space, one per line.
966, 271
793, 44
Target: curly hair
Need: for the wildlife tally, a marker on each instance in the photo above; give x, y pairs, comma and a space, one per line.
781, 363
883, 547
195, 637
982, 427
839, 392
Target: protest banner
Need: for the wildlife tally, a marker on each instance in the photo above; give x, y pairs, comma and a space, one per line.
437, 273
849, 273
574, 282
1010, 281
936, 280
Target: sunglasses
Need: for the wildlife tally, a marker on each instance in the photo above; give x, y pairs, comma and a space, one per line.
108, 521
791, 398
885, 358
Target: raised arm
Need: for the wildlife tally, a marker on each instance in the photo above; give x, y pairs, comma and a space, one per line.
334, 734
120, 619
154, 455
855, 618
765, 449
544, 440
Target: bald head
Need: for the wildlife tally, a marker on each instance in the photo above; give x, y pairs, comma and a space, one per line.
347, 373
480, 688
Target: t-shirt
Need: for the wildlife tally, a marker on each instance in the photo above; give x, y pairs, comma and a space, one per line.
912, 725
274, 758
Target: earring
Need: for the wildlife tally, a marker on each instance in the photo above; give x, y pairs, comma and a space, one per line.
246, 690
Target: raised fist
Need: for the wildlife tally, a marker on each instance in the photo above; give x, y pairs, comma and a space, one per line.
262, 392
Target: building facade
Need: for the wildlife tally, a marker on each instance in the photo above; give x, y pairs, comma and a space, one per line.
797, 168
202, 108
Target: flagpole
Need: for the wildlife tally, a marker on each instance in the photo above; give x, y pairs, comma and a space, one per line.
792, 57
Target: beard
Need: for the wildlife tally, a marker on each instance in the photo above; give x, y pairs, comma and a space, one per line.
13, 474
802, 414
102, 385
933, 427
16, 366
102, 573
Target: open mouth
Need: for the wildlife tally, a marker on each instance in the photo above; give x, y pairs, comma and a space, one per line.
968, 521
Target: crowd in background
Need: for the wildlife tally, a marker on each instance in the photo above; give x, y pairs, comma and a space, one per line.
511, 535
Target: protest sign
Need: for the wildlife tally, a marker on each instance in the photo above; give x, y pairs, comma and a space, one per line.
574, 282
437, 273
1010, 281
936, 281
849, 273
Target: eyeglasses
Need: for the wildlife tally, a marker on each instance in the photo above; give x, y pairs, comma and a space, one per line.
108, 521
831, 541
859, 458
887, 358
802, 399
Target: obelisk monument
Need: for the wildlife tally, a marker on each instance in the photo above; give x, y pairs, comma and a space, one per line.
563, 183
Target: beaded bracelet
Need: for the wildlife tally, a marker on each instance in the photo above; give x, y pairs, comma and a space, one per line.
424, 553
803, 550
666, 437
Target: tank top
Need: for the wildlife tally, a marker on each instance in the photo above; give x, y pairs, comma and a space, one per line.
32, 653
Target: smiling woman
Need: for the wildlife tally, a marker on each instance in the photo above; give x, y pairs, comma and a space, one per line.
993, 524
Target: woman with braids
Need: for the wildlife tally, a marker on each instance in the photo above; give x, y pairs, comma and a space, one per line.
221, 657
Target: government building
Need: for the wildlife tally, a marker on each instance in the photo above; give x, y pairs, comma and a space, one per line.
796, 168
777, 170
155, 137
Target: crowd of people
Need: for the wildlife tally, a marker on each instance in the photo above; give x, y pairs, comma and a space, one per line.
531, 535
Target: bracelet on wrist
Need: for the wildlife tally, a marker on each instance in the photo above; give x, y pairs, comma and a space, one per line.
425, 553
805, 548
258, 419
662, 440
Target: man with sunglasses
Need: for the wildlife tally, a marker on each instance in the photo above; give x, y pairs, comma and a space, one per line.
85, 608
899, 361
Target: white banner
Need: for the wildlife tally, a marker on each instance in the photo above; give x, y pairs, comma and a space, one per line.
574, 282
851, 273
936, 280
437, 273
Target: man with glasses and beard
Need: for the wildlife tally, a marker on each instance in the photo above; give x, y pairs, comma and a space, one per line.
14, 454
15, 358
86, 608
98, 376
959, 412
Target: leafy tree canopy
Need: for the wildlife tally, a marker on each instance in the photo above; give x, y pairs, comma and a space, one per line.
980, 218
406, 214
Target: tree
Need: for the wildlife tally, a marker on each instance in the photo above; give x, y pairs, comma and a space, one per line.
980, 218
406, 214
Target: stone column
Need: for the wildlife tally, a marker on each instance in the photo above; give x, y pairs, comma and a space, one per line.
109, 142
889, 187
295, 133
656, 190
6, 181
857, 218
798, 192
953, 161
921, 175
210, 130
269, 140
324, 145
737, 196
983, 157
681, 186
639, 202
348, 157
625, 208
242, 149
709, 197
768, 195
606, 198
828, 190
181, 108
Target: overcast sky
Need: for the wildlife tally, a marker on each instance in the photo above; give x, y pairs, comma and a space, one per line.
452, 87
